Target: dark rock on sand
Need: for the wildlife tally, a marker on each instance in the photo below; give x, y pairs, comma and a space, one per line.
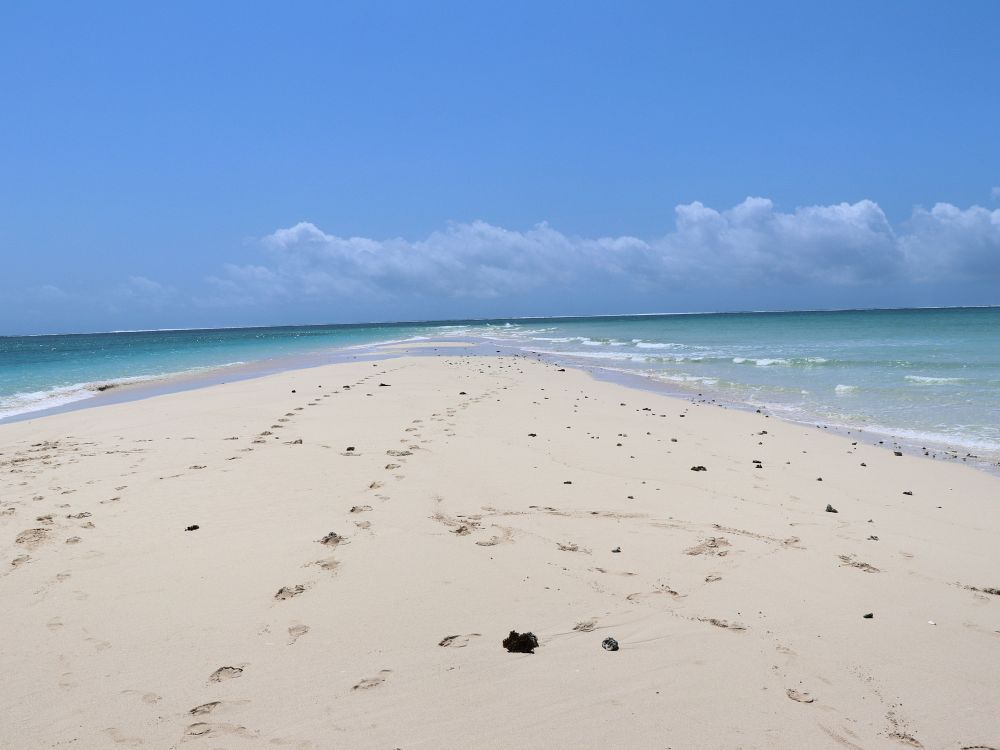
520, 643
698, 468
869, 616
609, 644
193, 527
831, 509
907, 492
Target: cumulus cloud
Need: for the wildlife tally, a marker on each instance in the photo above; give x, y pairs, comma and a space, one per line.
846, 244
952, 242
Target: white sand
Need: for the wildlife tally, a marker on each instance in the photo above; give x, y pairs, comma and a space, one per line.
736, 600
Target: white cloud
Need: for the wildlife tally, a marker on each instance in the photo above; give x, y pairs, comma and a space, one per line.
951, 242
750, 243
995, 194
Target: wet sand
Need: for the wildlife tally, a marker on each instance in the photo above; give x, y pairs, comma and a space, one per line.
289, 562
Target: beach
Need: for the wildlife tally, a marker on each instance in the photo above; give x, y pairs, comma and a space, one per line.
332, 557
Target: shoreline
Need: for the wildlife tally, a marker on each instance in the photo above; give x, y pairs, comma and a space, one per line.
366, 533
215, 375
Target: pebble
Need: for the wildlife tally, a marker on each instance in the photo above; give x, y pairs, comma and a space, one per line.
609, 644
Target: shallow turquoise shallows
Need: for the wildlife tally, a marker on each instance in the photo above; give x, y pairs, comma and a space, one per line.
921, 375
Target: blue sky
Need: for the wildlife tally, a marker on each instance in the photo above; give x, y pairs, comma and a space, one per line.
228, 163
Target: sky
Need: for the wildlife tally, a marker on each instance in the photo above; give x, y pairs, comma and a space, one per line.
240, 163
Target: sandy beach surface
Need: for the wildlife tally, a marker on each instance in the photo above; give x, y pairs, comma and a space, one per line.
331, 558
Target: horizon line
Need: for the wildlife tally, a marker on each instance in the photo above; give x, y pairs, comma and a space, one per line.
441, 321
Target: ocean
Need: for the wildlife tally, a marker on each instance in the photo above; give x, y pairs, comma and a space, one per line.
922, 376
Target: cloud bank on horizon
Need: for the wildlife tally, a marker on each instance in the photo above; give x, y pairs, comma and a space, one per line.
749, 256
750, 243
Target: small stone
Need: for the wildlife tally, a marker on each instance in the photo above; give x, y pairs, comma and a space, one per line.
617, 549
869, 616
609, 644
897, 453
698, 468
192, 527
907, 492
831, 509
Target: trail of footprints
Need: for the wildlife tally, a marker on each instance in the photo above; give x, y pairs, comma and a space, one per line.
413, 438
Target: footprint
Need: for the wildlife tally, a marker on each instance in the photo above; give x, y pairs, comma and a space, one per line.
711, 546
204, 729
849, 561
148, 698
372, 682
457, 641
329, 563
506, 535
287, 592
31, 538
225, 673
119, 738
658, 591
295, 632
725, 624
332, 539
205, 708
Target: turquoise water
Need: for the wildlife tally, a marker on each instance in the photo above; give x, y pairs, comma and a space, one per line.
920, 375
40, 372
